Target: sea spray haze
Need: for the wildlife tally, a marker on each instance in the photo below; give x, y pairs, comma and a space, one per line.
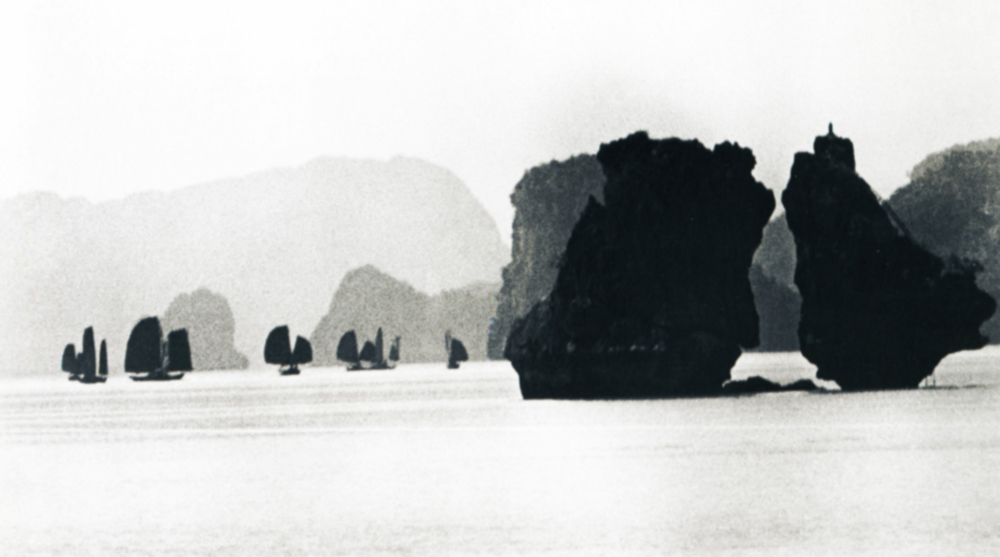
652, 296
275, 244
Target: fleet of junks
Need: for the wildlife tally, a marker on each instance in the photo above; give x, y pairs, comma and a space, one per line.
150, 357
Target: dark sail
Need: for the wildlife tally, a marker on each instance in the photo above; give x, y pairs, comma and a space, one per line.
303, 353
368, 351
347, 349
102, 367
458, 353
88, 360
277, 349
394, 350
69, 358
379, 357
179, 351
142, 353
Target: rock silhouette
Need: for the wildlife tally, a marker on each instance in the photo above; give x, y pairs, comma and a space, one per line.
211, 329
878, 311
652, 296
548, 201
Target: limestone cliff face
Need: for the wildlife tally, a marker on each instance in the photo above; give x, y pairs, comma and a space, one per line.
878, 311
211, 329
652, 296
548, 201
367, 299
952, 206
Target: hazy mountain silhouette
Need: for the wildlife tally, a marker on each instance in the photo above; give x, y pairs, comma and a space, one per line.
275, 244
210, 326
952, 206
367, 299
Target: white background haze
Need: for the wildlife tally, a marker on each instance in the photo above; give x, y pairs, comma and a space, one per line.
102, 99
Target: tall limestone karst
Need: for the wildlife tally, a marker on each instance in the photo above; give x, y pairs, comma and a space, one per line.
548, 201
952, 206
878, 311
368, 299
652, 296
211, 329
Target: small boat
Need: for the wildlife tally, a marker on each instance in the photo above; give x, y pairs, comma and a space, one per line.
347, 351
456, 351
102, 366
371, 353
147, 352
277, 350
83, 366
394, 350
69, 362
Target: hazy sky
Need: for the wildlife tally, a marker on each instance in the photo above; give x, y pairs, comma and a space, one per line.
101, 99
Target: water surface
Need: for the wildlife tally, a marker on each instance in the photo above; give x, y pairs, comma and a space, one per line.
428, 461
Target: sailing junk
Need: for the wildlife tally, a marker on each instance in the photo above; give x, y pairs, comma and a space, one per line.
146, 352
277, 350
83, 366
347, 350
456, 351
372, 353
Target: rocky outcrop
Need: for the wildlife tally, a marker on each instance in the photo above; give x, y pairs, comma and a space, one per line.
367, 299
652, 296
211, 329
952, 207
878, 311
758, 384
548, 201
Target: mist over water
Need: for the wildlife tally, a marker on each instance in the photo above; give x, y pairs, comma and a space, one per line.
428, 461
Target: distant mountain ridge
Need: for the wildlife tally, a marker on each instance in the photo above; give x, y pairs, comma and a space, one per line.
275, 244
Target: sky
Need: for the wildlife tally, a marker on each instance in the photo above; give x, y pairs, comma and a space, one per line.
104, 99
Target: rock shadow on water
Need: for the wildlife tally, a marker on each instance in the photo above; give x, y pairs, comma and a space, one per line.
652, 298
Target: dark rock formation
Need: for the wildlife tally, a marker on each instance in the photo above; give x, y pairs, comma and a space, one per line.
878, 311
652, 296
367, 299
758, 384
950, 208
211, 329
548, 201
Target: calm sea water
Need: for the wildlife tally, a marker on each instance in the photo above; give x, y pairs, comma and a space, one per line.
426, 461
